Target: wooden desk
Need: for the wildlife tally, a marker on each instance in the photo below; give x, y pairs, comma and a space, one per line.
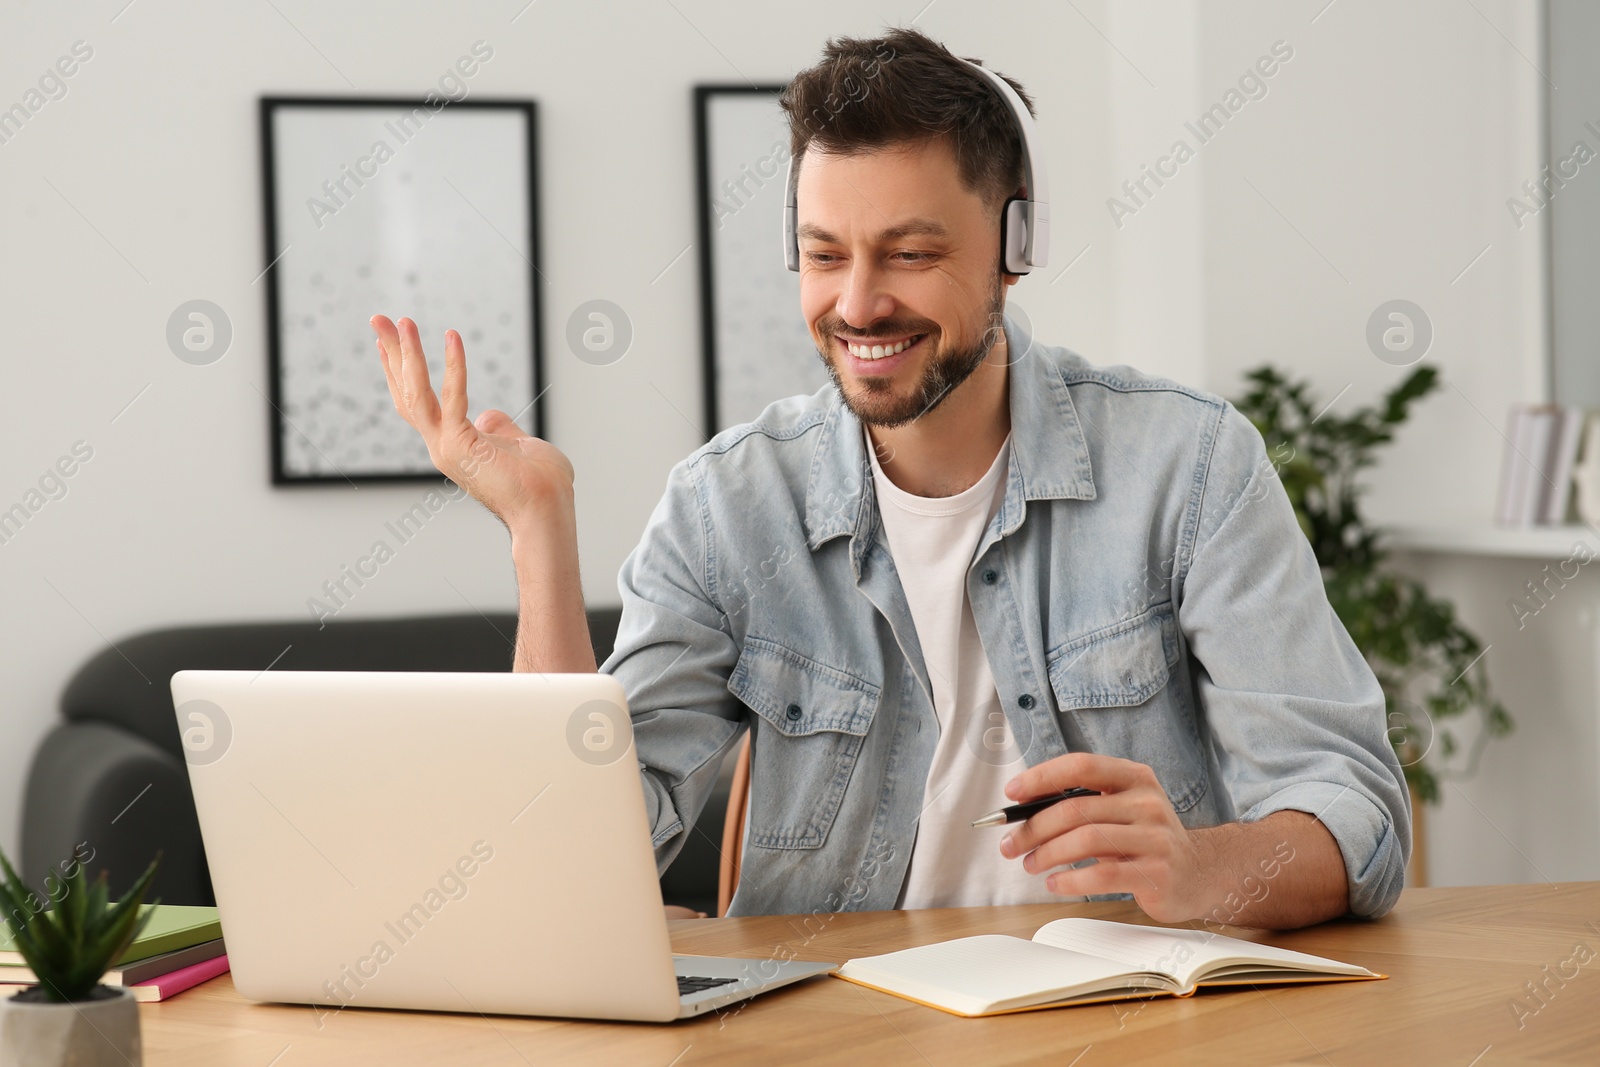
1457, 958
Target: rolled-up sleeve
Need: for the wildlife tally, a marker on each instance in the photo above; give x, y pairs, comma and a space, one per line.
1296, 714
673, 655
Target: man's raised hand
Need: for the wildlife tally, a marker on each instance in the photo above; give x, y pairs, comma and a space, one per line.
510, 472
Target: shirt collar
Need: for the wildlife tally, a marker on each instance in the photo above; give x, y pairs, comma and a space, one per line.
1049, 455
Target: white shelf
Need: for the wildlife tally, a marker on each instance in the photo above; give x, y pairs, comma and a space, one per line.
1487, 539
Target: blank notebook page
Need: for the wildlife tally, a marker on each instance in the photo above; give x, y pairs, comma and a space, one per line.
1181, 953
991, 967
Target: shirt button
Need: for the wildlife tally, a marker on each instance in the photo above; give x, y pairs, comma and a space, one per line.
793, 713
990, 577
1025, 701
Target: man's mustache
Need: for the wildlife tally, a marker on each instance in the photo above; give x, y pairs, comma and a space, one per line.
832, 327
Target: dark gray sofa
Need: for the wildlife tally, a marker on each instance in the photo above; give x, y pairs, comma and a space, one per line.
112, 772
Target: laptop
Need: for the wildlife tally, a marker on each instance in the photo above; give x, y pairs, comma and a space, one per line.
440, 841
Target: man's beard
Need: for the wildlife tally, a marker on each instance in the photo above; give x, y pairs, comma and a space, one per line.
877, 404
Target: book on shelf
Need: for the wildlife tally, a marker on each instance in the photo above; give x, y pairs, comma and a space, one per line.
1083, 961
1560, 462
172, 927
1537, 463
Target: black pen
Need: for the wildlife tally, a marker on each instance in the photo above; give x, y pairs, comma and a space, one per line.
1019, 812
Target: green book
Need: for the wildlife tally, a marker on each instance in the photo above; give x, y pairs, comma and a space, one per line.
173, 926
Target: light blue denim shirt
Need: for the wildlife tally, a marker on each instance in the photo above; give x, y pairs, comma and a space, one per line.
1143, 591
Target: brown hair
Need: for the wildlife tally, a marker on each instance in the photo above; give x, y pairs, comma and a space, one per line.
904, 88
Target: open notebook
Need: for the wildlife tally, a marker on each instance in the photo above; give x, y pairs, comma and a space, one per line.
1083, 961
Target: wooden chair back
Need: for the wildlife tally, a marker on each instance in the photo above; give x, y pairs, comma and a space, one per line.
733, 830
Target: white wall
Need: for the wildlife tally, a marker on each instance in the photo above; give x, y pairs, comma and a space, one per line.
1531, 812
1157, 253
1390, 143
140, 189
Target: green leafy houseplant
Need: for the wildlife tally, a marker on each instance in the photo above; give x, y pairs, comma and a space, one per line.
1412, 640
70, 946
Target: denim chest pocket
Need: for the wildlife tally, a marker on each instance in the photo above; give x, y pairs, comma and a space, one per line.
812, 722
1113, 683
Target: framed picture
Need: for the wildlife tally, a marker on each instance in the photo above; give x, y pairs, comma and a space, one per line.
405, 208
757, 346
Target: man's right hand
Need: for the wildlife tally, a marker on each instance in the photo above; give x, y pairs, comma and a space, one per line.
508, 471
525, 481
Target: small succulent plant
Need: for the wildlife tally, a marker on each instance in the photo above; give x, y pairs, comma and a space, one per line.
70, 946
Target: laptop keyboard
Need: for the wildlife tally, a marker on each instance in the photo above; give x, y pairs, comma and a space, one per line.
688, 984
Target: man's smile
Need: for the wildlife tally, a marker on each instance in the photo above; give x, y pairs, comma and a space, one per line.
878, 357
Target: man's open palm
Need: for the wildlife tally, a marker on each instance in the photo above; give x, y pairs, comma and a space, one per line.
507, 470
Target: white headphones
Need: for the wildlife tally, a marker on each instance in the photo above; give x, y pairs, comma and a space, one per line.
1024, 224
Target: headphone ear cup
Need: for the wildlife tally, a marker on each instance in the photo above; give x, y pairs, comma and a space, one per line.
1014, 236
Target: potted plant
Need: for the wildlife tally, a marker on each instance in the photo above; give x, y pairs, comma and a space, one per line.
1430, 666
69, 1017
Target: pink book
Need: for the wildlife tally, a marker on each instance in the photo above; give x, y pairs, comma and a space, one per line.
172, 983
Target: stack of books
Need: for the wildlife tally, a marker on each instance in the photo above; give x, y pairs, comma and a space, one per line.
1542, 443
179, 948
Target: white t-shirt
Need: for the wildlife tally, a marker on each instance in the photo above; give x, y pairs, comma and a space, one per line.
933, 541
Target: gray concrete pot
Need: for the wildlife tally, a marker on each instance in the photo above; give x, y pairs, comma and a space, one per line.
102, 1031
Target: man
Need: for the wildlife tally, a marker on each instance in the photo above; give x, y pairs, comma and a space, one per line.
973, 570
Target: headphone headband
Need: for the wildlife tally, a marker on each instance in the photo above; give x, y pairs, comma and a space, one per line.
1024, 221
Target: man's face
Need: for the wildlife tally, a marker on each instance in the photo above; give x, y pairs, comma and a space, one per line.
895, 252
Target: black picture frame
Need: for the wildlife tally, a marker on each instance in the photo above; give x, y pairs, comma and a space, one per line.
483, 391
781, 348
